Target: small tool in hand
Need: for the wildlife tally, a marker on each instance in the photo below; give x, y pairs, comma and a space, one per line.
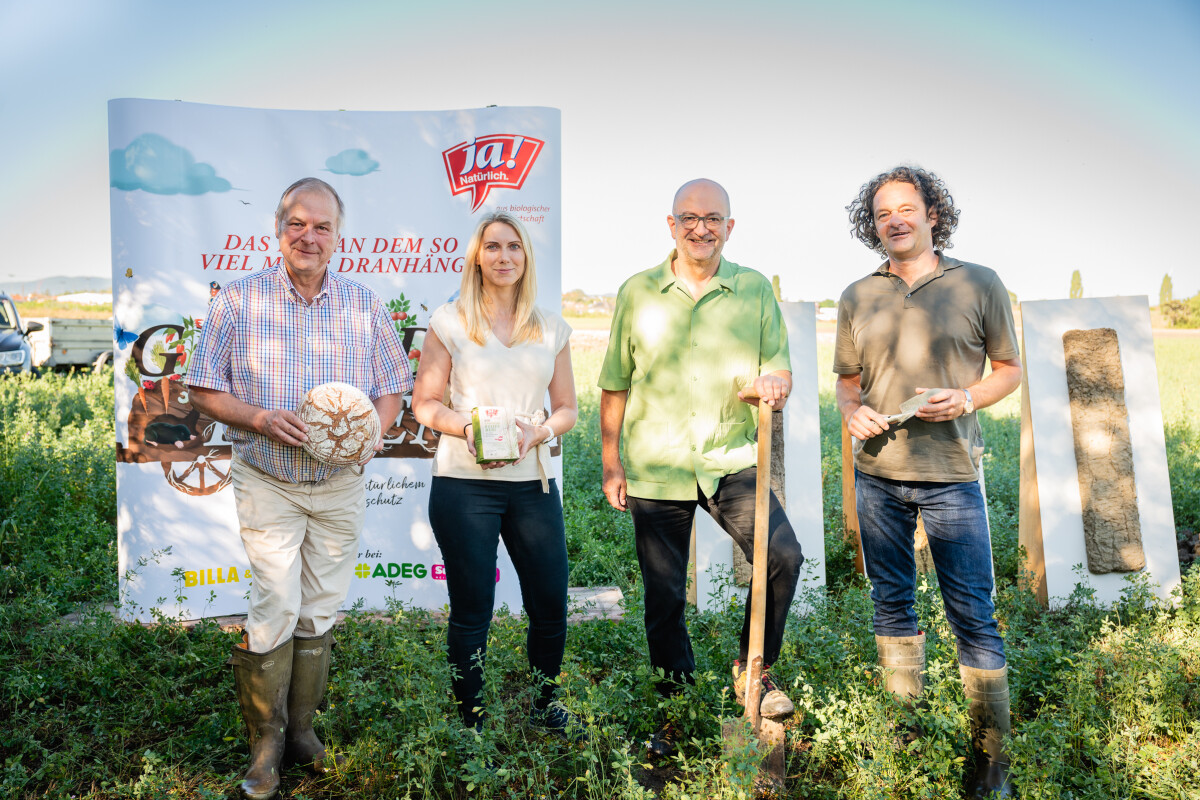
908, 408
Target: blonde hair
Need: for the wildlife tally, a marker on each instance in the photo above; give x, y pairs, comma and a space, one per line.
472, 303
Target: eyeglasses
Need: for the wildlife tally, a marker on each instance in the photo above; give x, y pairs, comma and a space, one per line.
688, 221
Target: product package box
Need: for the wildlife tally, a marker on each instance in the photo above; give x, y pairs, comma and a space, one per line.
495, 434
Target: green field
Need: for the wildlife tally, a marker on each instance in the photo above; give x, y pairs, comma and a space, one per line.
1105, 701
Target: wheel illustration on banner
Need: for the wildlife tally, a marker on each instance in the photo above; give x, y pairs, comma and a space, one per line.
198, 467
164, 427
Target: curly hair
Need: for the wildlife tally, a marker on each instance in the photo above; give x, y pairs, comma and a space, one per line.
933, 191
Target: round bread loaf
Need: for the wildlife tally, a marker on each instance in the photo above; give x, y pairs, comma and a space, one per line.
342, 424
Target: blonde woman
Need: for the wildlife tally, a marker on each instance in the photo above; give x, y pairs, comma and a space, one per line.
494, 347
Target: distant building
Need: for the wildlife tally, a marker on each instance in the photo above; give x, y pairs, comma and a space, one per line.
87, 298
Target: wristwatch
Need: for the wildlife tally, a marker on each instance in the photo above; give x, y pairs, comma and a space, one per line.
969, 407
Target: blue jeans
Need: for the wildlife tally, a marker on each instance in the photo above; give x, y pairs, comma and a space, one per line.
957, 529
468, 518
663, 530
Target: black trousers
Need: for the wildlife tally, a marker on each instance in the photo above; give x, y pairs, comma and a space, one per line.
663, 529
469, 517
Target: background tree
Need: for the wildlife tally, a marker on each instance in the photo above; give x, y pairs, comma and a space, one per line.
1182, 313
775, 288
1012, 297
1076, 285
1166, 293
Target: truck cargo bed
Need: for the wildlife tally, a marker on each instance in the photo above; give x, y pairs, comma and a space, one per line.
70, 342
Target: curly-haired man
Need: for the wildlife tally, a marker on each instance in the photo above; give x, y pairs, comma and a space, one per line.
923, 321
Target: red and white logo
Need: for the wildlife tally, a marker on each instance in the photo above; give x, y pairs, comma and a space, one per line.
478, 165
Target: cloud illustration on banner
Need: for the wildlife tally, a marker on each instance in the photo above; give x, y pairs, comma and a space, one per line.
351, 162
157, 165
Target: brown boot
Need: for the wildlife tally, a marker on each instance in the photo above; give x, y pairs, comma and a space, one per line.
310, 675
772, 702
261, 681
987, 691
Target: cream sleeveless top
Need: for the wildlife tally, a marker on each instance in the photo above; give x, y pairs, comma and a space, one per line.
492, 374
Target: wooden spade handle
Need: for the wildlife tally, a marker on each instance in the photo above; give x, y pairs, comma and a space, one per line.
758, 582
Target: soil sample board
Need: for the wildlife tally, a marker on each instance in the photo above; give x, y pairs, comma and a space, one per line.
1112, 378
1112, 529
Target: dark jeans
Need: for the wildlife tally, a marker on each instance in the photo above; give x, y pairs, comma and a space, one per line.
468, 518
957, 529
663, 529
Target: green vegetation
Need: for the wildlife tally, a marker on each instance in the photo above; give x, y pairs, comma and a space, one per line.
1105, 701
1182, 313
53, 308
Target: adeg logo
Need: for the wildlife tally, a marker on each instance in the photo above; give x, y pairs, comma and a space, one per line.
480, 164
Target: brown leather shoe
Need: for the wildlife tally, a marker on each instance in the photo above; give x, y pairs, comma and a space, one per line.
773, 703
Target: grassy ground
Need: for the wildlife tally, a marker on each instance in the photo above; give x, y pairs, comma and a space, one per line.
1105, 701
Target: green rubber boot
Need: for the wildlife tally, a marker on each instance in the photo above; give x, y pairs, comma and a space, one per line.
903, 662
261, 681
310, 676
987, 691
902, 659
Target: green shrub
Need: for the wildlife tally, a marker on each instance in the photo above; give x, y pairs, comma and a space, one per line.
1105, 700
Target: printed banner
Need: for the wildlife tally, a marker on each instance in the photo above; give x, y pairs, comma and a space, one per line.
193, 196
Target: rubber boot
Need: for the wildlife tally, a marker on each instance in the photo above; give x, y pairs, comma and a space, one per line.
261, 681
310, 676
987, 692
903, 661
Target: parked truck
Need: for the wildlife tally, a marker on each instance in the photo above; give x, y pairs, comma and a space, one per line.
64, 342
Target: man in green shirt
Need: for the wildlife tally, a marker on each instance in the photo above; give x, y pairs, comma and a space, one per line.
688, 338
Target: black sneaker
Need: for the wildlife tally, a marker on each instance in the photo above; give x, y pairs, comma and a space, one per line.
661, 743
772, 704
558, 721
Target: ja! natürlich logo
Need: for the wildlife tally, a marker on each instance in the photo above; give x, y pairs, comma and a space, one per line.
481, 164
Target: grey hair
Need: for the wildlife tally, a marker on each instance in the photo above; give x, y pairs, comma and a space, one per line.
308, 185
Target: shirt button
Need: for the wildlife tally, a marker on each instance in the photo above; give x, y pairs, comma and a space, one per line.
693, 344
693, 448
908, 295
693, 413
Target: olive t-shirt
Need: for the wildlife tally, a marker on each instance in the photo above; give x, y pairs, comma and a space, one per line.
940, 333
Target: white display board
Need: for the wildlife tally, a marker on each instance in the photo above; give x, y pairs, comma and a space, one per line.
193, 195
1051, 508
802, 471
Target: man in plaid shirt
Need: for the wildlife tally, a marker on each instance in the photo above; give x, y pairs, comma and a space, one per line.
270, 337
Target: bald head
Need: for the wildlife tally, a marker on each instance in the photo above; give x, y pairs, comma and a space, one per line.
705, 188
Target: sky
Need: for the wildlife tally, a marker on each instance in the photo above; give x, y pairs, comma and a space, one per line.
1066, 131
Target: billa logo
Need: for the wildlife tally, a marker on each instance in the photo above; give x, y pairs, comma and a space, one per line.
480, 164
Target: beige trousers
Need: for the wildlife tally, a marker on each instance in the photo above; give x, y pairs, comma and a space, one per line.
302, 542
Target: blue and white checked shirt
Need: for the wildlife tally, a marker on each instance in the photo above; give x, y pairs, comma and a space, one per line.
265, 345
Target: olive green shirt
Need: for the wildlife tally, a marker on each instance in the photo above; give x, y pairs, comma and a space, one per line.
683, 362
938, 333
